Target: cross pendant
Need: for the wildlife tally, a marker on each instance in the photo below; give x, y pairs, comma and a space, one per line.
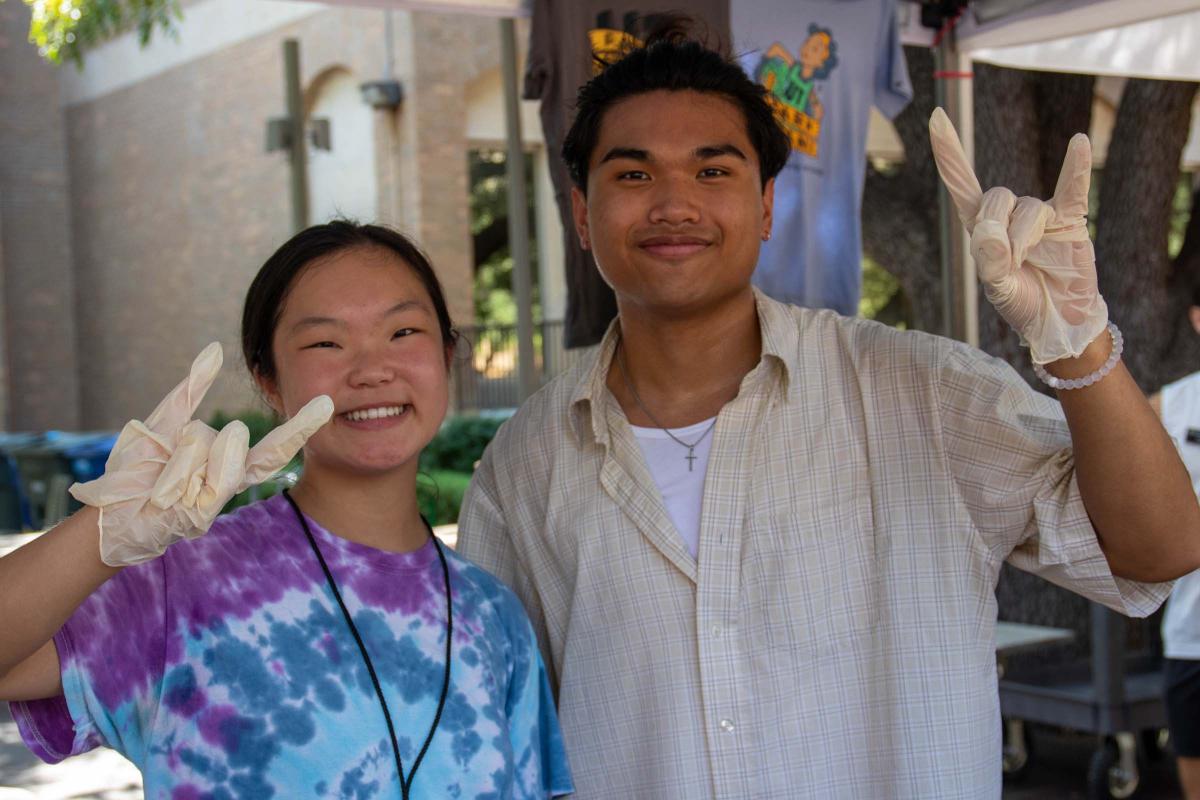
691, 458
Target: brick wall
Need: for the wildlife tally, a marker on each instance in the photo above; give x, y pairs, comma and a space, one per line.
176, 205
39, 380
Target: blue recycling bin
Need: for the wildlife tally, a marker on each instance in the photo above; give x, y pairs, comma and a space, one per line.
16, 510
87, 454
36, 469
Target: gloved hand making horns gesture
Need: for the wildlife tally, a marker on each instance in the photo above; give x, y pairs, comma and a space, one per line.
168, 477
1034, 257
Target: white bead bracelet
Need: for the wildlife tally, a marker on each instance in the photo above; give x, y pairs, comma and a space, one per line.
1118, 345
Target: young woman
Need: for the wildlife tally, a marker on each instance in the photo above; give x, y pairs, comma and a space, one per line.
321, 643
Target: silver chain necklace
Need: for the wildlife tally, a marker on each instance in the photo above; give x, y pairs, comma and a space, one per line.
691, 448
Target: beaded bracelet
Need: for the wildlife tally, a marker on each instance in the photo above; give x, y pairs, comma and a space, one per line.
1118, 345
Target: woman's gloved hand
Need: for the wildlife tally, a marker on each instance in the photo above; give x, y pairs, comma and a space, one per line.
167, 478
1035, 257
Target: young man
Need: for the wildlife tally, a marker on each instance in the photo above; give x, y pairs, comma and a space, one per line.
760, 543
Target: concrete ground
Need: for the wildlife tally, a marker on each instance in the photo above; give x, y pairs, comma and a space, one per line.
1059, 768
98, 775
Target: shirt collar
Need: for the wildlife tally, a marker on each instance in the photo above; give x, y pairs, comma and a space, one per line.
780, 338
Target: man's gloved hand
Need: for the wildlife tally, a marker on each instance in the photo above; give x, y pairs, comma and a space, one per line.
167, 478
1034, 257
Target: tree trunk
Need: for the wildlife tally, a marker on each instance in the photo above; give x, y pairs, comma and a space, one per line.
1137, 191
1023, 121
1181, 354
900, 226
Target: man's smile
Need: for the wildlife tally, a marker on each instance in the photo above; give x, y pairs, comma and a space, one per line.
673, 246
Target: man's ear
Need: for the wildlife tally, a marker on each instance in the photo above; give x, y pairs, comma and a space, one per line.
579, 213
1194, 317
768, 201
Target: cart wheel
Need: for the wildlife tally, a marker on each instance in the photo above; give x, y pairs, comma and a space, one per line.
1017, 755
1154, 744
1107, 779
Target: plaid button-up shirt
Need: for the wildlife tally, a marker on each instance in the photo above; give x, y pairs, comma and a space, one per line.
835, 637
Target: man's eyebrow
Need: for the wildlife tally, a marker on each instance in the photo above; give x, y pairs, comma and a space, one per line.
631, 153
313, 322
717, 150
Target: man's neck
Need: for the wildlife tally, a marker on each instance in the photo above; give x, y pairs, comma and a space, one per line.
683, 369
375, 510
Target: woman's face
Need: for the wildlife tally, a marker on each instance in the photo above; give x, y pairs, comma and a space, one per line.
360, 327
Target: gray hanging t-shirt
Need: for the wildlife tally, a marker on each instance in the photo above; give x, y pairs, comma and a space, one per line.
561, 42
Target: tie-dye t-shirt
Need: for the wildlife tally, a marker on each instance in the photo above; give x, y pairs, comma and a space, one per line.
225, 669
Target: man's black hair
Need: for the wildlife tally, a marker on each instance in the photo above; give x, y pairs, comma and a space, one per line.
672, 60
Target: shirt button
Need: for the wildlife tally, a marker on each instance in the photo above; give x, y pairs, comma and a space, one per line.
727, 725
716, 631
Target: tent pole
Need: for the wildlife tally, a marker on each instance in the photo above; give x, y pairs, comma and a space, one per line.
953, 92
518, 211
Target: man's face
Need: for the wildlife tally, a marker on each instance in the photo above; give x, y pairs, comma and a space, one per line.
675, 209
814, 52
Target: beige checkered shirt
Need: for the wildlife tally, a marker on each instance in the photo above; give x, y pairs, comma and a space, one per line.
835, 637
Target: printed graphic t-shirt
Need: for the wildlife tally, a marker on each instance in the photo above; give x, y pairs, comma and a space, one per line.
563, 36
225, 669
824, 63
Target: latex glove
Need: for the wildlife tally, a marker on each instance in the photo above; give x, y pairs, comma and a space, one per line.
1035, 257
167, 478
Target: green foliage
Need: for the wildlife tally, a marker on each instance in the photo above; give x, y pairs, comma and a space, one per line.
259, 424
440, 494
881, 294
1181, 212
446, 463
1181, 209
495, 300
459, 444
63, 29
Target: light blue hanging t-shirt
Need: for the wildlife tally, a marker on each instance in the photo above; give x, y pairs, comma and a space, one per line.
224, 669
825, 63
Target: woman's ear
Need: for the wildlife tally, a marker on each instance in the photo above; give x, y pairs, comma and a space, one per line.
451, 347
270, 393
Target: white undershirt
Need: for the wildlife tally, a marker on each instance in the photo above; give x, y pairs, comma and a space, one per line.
682, 490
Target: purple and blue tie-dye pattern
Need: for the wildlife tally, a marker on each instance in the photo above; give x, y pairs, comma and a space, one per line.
225, 670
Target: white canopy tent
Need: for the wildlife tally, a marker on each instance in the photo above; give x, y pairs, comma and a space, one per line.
1099, 37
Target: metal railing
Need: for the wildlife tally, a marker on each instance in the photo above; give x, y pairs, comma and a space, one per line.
484, 373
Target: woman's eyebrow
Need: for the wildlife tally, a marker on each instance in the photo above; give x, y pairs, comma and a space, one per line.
314, 322
405, 305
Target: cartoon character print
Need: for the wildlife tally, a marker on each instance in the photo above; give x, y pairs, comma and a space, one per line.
608, 43
791, 84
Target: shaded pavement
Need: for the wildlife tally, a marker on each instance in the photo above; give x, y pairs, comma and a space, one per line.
99, 775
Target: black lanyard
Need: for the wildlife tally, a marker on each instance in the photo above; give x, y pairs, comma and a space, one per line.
405, 785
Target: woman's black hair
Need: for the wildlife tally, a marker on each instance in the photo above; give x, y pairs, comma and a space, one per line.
672, 60
269, 290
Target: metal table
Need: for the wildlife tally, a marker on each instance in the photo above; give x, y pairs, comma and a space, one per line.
1117, 698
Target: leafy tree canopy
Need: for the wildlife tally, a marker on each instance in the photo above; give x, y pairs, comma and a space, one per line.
63, 29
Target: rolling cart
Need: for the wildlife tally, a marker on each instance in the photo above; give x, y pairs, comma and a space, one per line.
1115, 697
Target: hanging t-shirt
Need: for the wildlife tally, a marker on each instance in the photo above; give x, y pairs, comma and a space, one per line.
825, 63
563, 37
225, 668
1181, 418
